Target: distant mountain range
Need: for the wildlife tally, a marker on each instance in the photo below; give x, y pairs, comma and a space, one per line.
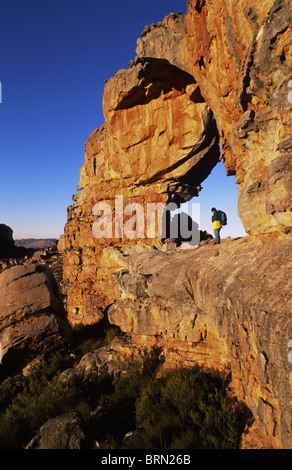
36, 243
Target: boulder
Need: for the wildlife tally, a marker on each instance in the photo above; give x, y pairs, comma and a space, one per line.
94, 364
31, 312
62, 432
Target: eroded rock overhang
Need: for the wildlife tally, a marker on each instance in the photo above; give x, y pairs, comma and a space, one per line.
161, 128
158, 143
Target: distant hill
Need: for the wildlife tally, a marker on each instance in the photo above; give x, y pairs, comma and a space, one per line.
36, 243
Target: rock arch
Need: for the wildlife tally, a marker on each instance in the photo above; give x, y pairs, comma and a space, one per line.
234, 62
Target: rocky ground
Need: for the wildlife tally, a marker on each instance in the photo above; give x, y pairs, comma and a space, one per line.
196, 306
34, 329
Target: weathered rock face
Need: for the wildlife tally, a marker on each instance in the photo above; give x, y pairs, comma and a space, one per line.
155, 305
241, 57
171, 134
31, 312
168, 40
171, 147
63, 432
223, 307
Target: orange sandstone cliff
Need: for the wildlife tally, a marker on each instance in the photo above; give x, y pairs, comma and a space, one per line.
158, 143
241, 59
227, 306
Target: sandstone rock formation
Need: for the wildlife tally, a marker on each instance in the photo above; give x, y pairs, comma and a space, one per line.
220, 307
241, 59
168, 40
171, 149
227, 307
31, 311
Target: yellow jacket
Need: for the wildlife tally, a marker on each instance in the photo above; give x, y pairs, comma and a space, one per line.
216, 224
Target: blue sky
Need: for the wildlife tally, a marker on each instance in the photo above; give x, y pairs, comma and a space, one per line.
54, 58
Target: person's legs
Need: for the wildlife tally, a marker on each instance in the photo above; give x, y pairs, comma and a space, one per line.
217, 235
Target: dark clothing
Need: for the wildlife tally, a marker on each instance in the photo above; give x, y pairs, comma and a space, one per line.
215, 216
216, 224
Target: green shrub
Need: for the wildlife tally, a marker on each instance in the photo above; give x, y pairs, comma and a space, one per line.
9, 388
56, 362
26, 403
186, 409
91, 337
217, 421
40, 400
189, 408
140, 370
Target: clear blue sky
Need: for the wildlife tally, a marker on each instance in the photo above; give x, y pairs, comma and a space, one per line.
54, 58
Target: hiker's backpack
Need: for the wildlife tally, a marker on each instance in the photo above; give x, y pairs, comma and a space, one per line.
223, 217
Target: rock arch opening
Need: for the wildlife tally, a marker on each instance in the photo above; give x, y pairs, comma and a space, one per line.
219, 191
211, 188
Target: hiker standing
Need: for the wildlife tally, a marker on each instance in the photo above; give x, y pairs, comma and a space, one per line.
216, 224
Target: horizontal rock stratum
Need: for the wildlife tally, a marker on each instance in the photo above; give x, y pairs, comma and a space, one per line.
222, 71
